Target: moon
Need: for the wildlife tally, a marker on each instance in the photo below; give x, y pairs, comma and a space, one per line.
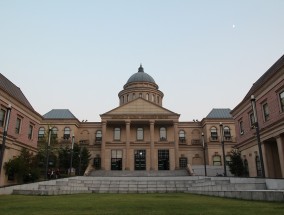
234, 26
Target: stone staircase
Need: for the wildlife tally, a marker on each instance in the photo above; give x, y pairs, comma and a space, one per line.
241, 188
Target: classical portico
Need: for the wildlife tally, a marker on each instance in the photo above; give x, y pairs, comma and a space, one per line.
145, 138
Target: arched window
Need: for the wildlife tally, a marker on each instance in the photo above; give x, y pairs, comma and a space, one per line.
99, 135
41, 132
54, 131
227, 133
181, 136
127, 98
163, 133
140, 134
66, 135
158, 99
140, 95
228, 159
116, 133
214, 135
147, 96
153, 98
133, 96
2, 117
217, 160
258, 166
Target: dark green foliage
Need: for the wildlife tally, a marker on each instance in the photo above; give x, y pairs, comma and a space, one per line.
24, 167
236, 165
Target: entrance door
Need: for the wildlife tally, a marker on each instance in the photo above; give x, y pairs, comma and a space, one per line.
116, 160
163, 160
140, 159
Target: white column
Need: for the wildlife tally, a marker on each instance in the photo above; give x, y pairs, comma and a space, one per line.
280, 145
152, 146
176, 145
103, 146
127, 166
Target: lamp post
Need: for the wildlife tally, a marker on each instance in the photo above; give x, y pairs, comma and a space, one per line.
9, 108
253, 104
204, 154
73, 138
223, 148
47, 152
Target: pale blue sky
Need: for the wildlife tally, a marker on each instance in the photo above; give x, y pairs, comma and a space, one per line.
79, 54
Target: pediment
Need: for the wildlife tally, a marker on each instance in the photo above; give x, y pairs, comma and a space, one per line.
140, 106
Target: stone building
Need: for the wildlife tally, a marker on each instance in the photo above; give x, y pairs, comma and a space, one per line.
22, 127
140, 134
268, 91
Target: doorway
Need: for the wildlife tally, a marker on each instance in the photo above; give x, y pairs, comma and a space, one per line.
116, 160
163, 160
140, 159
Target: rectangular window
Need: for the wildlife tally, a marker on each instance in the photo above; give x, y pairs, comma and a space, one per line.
251, 118
2, 117
117, 134
30, 134
140, 135
265, 111
281, 97
241, 128
18, 125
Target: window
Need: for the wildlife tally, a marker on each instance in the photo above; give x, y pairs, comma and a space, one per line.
127, 98
228, 159
217, 160
252, 120
181, 136
214, 135
99, 135
140, 134
182, 162
122, 99
147, 96
258, 166
41, 132
153, 98
281, 97
246, 168
158, 99
2, 117
265, 111
54, 131
227, 133
18, 125
116, 133
66, 135
140, 95
30, 134
133, 96
241, 127
163, 133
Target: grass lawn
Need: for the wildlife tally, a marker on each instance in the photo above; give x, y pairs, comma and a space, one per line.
163, 204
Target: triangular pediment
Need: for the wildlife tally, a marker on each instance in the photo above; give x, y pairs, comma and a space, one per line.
140, 106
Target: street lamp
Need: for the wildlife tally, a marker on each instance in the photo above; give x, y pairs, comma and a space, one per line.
47, 152
5, 136
253, 104
223, 148
204, 154
73, 138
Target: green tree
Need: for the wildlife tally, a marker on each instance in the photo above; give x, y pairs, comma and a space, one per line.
236, 164
24, 167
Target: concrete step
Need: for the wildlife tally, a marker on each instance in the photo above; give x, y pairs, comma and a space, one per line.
140, 173
256, 195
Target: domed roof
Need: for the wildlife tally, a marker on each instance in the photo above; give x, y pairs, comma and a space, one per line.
140, 76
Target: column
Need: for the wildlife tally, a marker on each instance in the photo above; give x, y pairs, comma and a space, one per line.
152, 146
264, 154
176, 145
127, 166
103, 146
280, 147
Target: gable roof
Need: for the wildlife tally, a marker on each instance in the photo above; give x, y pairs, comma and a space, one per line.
266, 76
140, 106
14, 91
59, 114
219, 113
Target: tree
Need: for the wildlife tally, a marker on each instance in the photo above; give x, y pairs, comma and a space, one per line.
236, 164
24, 167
